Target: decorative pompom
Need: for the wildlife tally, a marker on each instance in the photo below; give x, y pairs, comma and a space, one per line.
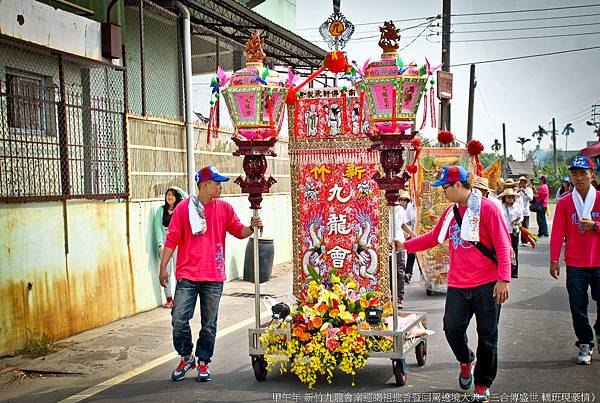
474, 147
412, 169
445, 137
291, 96
416, 142
336, 61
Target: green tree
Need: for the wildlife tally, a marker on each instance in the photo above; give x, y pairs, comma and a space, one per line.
567, 131
539, 134
496, 146
522, 141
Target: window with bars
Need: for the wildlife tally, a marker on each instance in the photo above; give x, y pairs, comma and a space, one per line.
26, 110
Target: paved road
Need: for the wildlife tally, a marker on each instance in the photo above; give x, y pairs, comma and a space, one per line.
537, 356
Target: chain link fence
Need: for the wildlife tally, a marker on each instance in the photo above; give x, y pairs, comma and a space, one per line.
62, 126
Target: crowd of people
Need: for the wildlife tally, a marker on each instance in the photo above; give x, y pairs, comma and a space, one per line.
484, 228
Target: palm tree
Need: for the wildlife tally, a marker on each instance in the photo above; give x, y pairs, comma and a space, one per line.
522, 141
539, 133
567, 131
496, 146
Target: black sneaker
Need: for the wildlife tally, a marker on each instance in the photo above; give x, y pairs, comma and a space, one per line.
407, 278
203, 372
184, 366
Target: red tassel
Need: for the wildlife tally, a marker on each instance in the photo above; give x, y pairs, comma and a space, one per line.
412, 169
424, 113
210, 119
345, 128
296, 108
270, 109
394, 109
360, 110
432, 108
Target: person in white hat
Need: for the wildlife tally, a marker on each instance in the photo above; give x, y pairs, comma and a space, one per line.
402, 231
526, 192
512, 211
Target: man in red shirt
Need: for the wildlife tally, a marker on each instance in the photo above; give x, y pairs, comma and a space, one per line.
198, 227
576, 219
479, 252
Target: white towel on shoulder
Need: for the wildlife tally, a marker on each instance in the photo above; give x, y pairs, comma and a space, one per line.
584, 208
197, 216
469, 230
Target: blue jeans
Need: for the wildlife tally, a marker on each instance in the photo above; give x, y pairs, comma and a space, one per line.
542, 223
461, 304
184, 303
578, 281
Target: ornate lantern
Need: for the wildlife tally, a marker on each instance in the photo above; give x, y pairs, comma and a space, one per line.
393, 91
254, 99
255, 102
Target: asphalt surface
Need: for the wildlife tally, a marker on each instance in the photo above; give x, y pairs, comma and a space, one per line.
536, 355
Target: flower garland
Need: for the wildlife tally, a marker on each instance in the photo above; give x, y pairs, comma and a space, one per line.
324, 330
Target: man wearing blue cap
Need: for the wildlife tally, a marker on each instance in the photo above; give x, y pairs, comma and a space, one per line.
576, 218
479, 252
198, 228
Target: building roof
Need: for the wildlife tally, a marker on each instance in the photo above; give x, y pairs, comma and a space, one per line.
520, 168
236, 22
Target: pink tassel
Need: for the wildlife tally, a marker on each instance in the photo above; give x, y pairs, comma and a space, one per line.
394, 109
424, 113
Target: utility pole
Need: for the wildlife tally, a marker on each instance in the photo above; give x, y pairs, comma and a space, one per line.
504, 165
472, 84
445, 103
554, 144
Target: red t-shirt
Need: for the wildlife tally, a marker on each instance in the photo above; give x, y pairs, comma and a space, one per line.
202, 258
583, 247
468, 266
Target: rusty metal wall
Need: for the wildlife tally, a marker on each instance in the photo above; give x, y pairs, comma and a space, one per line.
49, 291
62, 126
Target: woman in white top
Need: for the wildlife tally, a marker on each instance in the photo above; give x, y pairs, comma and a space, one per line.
526, 193
512, 211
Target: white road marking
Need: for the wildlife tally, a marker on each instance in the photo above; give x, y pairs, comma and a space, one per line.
94, 390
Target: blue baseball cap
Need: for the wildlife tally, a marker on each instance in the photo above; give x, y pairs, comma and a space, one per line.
451, 174
210, 173
582, 162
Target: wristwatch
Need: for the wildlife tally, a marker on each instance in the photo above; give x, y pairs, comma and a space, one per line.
595, 227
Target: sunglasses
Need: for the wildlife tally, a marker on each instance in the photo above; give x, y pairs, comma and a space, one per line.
447, 185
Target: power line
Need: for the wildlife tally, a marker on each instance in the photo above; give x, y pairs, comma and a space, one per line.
378, 32
525, 11
421, 33
526, 56
436, 17
524, 28
525, 19
525, 37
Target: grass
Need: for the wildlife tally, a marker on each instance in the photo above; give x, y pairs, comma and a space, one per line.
39, 346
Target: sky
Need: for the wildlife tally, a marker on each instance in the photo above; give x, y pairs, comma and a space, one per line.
521, 93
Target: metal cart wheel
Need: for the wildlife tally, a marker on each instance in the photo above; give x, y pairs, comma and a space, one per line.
421, 352
260, 367
429, 292
400, 371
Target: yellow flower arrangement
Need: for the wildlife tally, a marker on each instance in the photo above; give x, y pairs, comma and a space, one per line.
324, 331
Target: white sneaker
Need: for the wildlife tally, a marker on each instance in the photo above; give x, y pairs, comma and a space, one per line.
585, 354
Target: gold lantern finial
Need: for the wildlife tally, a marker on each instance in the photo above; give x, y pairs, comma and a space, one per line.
254, 52
390, 37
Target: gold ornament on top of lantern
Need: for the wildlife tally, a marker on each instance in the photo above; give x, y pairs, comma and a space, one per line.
393, 91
